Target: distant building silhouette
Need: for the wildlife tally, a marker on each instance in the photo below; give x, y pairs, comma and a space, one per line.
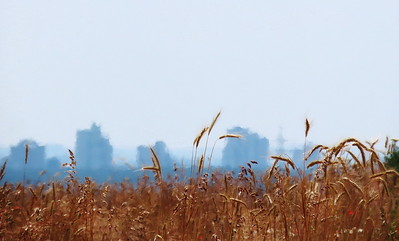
297, 156
36, 155
53, 165
280, 143
93, 150
16, 167
144, 155
250, 147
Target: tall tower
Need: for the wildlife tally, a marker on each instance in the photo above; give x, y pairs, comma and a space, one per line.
280, 142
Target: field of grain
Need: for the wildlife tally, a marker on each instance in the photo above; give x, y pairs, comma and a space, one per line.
347, 194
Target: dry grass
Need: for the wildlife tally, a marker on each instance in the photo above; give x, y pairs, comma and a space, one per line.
347, 196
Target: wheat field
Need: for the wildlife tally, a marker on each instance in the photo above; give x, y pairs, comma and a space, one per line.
347, 194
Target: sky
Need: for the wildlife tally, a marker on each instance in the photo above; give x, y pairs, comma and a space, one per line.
161, 70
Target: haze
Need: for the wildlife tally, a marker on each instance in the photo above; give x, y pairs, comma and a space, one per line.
160, 70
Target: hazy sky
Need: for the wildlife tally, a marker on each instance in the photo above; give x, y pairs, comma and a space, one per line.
160, 70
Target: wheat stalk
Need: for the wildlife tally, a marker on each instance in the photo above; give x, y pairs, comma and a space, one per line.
354, 184
289, 161
214, 144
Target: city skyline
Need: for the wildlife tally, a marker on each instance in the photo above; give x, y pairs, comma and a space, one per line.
95, 157
91, 144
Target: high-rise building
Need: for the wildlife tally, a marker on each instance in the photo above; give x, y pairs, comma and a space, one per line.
93, 150
251, 147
